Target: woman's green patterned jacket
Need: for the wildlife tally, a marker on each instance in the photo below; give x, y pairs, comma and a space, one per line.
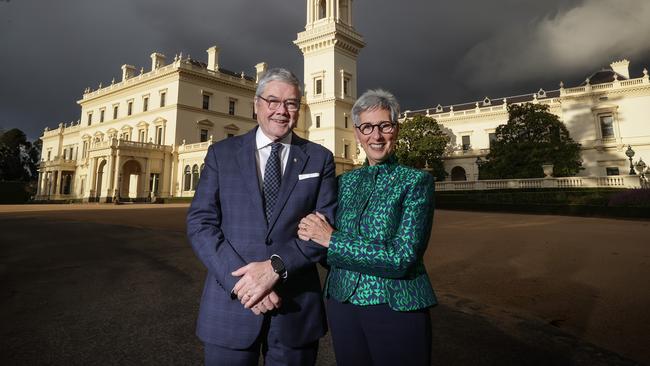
383, 225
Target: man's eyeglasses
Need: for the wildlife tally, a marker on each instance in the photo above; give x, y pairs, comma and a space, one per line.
383, 127
291, 105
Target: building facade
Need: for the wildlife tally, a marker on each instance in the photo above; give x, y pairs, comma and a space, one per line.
607, 113
145, 136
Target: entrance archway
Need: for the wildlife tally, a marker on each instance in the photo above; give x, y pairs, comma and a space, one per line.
458, 173
131, 185
100, 178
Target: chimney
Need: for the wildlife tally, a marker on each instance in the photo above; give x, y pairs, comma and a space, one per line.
157, 60
621, 68
261, 69
213, 58
128, 71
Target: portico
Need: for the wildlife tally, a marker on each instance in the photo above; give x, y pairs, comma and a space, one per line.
128, 171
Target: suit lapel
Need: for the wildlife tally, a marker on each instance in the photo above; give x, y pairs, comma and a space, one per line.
248, 169
295, 165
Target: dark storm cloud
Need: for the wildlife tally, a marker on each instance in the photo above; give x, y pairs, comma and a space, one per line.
426, 52
594, 31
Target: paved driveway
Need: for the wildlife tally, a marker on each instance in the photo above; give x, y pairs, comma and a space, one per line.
104, 285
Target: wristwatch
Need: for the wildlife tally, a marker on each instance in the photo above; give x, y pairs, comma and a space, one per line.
278, 266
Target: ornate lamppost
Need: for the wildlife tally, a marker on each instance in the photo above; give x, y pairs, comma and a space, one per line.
643, 170
630, 154
479, 162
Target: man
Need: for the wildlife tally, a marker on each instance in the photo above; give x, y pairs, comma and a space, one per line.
262, 290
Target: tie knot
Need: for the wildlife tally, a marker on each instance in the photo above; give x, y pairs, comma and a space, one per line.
276, 147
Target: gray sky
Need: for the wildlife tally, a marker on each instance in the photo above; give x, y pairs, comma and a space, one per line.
426, 52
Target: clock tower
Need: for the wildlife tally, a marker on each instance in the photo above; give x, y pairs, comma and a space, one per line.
330, 46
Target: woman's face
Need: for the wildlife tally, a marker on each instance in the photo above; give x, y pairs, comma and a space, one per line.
377, 145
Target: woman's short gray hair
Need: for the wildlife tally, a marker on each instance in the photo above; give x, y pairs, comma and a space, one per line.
375, 99
278, 74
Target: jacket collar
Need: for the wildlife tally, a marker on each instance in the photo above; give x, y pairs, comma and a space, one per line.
385, 166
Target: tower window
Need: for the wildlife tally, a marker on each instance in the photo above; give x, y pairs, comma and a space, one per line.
204, 135
115, 109
101, 115
317, 121
145, 104
322, 9
318, 88
129, 108
162, 99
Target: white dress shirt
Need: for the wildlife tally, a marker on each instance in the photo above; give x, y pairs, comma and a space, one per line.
263, 144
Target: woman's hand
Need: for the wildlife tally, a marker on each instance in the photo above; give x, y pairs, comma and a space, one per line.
316, 228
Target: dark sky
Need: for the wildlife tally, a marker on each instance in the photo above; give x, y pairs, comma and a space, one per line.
426, 52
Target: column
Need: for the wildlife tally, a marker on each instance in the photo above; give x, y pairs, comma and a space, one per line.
147, 177
39, 187
166, 175
310, 9
93, 178
57, 191
174, 174
337, 8
349, 9
110, 174
48, 184
116, 180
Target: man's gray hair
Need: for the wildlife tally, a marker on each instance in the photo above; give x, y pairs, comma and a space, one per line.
278, 74
375, 99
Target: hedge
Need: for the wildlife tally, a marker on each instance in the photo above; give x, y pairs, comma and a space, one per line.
581, 202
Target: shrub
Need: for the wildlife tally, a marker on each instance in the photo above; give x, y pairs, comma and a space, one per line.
632, 197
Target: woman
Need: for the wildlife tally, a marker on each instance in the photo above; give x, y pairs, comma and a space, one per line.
378, 292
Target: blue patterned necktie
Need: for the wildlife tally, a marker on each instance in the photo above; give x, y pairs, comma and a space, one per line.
272, 179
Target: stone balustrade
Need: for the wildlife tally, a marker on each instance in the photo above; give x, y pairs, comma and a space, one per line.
614, 181
119, 143
200, 146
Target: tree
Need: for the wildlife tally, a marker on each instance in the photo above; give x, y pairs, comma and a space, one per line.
421, 144
18, 157
532, 137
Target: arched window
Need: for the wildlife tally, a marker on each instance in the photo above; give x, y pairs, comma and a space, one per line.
343, 11
458, 173
195, 177
322, 9
187, 179
202, 166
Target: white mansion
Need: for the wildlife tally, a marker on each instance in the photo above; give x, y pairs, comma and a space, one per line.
145, 136
607, 113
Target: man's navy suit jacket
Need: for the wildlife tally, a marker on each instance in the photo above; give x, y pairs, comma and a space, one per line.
227, 228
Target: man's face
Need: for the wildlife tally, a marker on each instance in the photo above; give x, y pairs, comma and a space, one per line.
276, 124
